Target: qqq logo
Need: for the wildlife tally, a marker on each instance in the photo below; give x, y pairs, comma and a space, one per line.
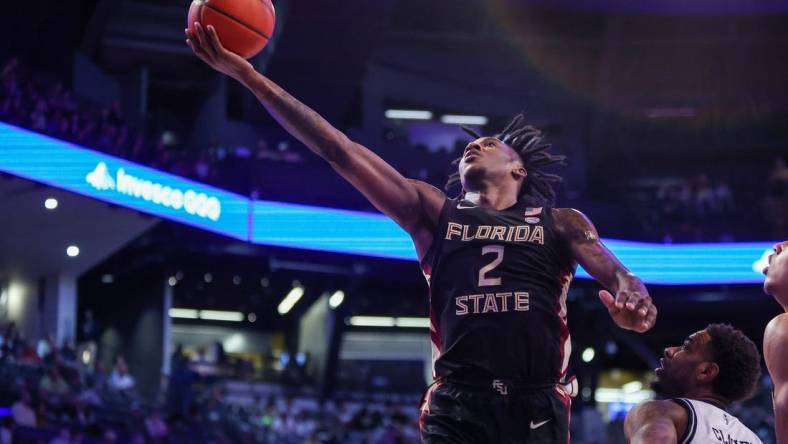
190, 201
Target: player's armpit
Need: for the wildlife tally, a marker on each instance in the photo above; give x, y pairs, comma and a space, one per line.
655, 422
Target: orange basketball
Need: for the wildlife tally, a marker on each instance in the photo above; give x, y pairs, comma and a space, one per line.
243, 26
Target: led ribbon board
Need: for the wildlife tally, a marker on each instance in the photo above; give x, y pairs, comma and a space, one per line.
70, 167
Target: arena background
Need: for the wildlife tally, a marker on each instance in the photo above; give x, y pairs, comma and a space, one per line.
268, 302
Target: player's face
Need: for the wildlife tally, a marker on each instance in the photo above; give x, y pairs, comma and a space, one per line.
677, 370
487, 158
777, 271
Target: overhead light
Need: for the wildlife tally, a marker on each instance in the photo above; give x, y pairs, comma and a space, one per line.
220, 315
408, 114
50, 204
632, 387
371, 321
290, 300
251, 317
618, 395
412, 322
236, 280
208, 278
183, 313
72, 251
107, 278
388, 321
336, 299
458, 119
588, 354
265, 282
172, 281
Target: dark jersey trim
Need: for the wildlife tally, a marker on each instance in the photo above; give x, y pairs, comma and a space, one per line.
692, 420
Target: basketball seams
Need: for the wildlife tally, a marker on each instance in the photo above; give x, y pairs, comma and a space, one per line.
232, 17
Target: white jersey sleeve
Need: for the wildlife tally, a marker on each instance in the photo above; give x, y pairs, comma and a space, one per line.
708, 424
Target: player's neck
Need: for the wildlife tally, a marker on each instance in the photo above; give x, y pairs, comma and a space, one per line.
498, 198
782, 299
709, 397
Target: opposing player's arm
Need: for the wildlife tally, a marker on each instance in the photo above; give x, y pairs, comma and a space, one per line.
414, 205
775, 350
655, 422
631, 307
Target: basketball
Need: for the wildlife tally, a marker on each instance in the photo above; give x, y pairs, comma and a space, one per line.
243, 26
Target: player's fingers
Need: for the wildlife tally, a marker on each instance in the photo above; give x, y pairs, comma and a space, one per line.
197, 50
633, 299
642, 306
199, 37
213, 40
621, 299
651, 318
608, 300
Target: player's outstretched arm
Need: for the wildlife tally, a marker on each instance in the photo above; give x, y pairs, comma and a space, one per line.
414, 205
631, 307
655, 422
775, 350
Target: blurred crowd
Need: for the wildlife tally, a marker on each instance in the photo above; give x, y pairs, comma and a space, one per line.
50, 394
32, 100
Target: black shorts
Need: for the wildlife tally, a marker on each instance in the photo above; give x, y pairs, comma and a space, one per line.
454, 413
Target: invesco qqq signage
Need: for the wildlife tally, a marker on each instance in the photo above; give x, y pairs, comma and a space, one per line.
71, 167
64, 165
169, 196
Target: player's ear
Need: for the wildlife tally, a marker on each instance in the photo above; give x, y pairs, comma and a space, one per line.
519, 172
708, 372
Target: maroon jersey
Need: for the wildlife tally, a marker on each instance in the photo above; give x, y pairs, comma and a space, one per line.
498, 285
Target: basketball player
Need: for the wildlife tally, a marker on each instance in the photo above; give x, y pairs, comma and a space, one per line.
499, 261
775, 339
699, 380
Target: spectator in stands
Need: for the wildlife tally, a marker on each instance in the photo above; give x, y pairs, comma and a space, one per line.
53, 383
64, 437
156, 427
83, 415
22, 410
120, 380
6, 430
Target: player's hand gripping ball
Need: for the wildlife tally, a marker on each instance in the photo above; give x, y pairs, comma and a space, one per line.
243, 26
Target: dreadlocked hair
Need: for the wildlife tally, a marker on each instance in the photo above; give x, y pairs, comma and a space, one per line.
527, 140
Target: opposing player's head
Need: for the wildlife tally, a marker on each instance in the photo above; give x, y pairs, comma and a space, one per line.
516, 156
718, 360
776, 283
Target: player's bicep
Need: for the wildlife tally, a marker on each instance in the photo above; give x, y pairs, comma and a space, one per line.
387, 189
587, 249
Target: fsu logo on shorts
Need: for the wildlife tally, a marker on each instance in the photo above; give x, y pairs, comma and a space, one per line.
531, 214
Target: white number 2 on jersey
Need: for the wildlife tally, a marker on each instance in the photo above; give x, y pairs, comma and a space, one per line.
485, 281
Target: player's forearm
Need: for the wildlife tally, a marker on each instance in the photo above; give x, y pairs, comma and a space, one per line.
298, 119
626, 280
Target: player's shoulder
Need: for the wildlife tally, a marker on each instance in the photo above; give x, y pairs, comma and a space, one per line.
775, 347
677, 411
778, 325
668, 407
572, 222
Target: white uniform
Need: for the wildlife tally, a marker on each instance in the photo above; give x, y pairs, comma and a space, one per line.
708, 424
